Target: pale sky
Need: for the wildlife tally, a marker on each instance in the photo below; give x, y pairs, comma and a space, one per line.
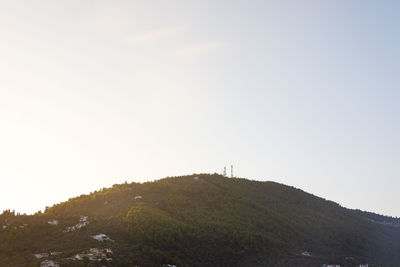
304, 93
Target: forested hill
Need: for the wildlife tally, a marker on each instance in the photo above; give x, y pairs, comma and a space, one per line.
198, 220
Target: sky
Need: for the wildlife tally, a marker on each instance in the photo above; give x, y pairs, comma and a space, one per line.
94, 93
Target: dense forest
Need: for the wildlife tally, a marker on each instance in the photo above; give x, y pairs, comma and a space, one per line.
199, 220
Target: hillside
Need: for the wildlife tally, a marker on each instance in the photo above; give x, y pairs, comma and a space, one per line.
199, 220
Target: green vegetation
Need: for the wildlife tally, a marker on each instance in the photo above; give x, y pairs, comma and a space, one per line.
203, 220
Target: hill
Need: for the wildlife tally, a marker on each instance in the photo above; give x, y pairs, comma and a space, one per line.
199, 220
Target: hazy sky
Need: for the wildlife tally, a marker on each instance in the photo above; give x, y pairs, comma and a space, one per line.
305, 93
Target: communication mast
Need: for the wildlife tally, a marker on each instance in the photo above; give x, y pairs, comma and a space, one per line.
224, 173
231, 171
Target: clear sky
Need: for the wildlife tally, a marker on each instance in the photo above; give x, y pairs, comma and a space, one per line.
305, 93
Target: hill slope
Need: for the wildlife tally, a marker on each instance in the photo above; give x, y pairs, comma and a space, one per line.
200, 220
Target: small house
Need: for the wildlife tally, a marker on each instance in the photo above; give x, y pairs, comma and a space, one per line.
53, 222
306, 253
41, 255
101, 237
49, 263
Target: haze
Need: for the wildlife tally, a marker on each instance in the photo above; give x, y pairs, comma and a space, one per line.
94, 93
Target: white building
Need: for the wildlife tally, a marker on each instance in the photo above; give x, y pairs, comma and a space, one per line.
306, 253
53, 222
83, 221
41, 255
48, 263
102, 237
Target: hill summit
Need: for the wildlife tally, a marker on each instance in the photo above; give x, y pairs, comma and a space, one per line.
199, 220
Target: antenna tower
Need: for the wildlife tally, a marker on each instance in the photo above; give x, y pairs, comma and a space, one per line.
224, 173
231, 171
